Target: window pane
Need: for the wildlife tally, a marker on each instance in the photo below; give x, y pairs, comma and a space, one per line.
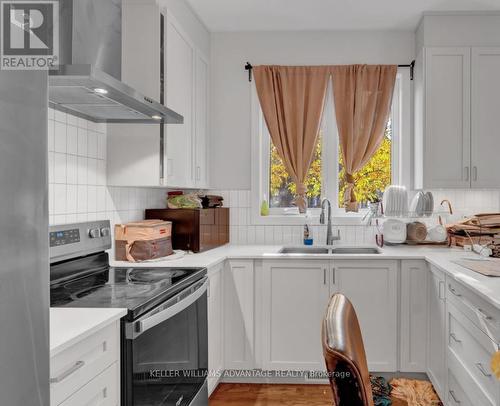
372, 180
282, 189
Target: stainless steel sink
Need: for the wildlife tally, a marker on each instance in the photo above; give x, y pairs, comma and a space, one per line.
355, 250
304, 250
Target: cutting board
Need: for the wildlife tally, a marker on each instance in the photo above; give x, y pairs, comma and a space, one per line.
487, 267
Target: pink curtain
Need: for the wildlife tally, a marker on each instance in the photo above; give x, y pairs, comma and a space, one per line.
363, 96
292, 99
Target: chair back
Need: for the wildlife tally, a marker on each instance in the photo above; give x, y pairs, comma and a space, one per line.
344, 354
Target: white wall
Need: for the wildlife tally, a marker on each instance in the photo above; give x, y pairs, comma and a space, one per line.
230, 126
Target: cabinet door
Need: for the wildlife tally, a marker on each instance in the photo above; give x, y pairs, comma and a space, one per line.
413, 317
239, 315
447, 118
371, 286
485, 118
215, 325
436, 342
201, 128
179, 96
295, 295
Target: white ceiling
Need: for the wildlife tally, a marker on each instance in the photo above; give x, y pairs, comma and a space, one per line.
296, 15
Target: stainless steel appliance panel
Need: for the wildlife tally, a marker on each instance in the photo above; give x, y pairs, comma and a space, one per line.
24, 247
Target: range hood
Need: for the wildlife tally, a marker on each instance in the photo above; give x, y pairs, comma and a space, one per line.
88, 82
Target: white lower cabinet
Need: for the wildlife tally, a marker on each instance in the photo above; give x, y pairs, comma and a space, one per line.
436, 338
88, 372
239, 348
294, 299
413, 316
372, 288
102, 390
215, 325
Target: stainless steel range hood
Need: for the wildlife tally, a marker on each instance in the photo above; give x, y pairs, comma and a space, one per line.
88, 81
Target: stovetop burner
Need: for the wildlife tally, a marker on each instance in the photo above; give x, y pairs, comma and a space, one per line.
97, 285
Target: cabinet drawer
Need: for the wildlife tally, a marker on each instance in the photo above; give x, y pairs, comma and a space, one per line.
459, 395
76, 366
100, 391
473, 349
484, 316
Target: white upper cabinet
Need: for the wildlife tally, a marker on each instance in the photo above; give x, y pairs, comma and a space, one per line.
201, 120
138, 154
446, 137
179, 92
485, 118
456, 122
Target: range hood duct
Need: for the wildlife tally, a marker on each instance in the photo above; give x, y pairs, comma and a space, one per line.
88, 82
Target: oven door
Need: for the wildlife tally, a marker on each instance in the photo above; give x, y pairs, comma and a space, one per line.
165, 356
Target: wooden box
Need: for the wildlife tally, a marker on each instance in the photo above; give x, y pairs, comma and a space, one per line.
195, 230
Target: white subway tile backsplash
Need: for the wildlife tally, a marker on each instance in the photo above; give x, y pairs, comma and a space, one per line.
72, 120
82, 142
92, 144
91, 171
72, 140
60, 116
59, 137
59, 168
71, 199
82, 170
82, 196
59, 199
92, 199
71, 169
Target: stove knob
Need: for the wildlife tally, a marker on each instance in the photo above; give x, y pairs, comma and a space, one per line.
105, 232
94, 233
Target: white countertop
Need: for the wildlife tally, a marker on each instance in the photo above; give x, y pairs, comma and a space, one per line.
441, 257
70, 325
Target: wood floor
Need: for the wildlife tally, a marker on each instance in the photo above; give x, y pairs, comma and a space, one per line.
268, 395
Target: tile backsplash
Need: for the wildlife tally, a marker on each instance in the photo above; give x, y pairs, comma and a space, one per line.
242, 231
77, 176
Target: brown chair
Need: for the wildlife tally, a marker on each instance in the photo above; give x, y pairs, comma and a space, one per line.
344, 354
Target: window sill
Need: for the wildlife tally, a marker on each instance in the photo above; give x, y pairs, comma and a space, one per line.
355, 219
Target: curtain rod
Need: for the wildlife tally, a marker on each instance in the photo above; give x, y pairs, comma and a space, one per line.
411, 65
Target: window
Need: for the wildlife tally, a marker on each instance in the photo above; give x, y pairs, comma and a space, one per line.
326, 175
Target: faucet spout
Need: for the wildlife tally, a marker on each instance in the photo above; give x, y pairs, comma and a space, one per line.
329, 233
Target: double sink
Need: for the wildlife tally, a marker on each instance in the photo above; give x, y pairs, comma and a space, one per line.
330, 250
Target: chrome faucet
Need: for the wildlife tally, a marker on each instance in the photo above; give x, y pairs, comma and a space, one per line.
329, 233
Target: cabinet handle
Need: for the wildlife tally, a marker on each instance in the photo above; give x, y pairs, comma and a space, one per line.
208, 288
68, 372
454, 291
198, 173
474, 173
483, 371
466, 173
484, 315
441, 290
452, 335
333, 276
452, 394
324, 276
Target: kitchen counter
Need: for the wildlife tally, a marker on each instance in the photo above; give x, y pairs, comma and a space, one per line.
71, 325
441, 257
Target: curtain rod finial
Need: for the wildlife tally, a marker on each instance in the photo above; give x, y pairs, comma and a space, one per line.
249, 68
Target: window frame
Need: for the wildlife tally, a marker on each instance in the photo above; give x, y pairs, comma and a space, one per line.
400, 165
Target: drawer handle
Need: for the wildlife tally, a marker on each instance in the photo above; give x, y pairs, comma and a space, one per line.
452, 335
483, 371
454, 291
68, 372
453, 396
484, 315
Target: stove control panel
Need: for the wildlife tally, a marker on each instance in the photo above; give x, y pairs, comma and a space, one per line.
78, 240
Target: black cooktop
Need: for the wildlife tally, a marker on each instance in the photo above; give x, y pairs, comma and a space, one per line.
90, 282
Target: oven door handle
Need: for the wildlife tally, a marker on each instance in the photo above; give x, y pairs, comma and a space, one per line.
136, 328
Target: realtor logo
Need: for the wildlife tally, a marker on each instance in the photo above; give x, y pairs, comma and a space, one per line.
29, 35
